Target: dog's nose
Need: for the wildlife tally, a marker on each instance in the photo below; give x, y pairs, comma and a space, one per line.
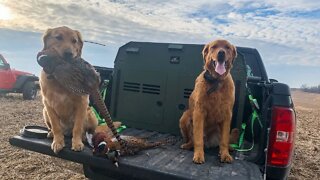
68, 55
221, 56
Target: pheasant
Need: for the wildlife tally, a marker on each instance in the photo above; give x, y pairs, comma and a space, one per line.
106, 146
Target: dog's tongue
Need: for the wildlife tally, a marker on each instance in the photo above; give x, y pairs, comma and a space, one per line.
220, 69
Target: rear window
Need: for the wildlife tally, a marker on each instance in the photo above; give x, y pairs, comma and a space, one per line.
252, 62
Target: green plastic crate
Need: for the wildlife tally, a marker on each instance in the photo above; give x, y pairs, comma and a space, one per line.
152, 83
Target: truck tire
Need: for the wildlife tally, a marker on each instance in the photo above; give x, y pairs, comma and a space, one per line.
29, 90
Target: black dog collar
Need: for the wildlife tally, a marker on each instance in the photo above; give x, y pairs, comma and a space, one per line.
214, 82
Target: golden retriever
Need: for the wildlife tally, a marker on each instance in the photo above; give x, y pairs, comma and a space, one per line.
65, 113
208, 119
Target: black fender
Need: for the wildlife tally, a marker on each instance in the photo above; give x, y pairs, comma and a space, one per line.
22, 79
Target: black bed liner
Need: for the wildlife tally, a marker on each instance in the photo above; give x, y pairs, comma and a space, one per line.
169, 162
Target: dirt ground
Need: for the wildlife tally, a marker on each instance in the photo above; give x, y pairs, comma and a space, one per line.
306, 163
21, 164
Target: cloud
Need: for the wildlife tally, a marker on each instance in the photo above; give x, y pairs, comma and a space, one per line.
295, 5
284, 32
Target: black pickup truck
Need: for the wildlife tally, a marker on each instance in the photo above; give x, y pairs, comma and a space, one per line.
148, 91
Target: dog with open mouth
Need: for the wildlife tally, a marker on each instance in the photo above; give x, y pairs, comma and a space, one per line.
208, 119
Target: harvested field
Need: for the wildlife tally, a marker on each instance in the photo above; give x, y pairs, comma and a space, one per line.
22, 164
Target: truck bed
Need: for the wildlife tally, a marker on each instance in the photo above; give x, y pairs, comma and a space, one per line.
168, 162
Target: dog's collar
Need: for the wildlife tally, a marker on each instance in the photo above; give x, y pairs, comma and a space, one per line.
214, 82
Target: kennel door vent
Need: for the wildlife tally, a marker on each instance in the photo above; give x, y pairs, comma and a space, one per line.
150, 89
187, 93
131, 86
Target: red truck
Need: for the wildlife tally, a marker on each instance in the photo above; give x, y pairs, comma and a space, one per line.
14, 81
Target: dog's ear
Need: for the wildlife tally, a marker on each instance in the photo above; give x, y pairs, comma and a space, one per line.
205, 52
80, 42
45, 37
234, 53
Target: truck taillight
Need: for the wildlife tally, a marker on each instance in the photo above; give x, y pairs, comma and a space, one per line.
281, 139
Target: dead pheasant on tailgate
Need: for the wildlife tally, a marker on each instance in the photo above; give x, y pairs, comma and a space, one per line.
106, 146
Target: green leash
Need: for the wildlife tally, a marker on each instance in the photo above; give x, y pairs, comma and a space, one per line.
121, 128
254, 117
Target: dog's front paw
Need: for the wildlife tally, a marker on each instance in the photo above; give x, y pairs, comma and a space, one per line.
226, 157
57, 145
77, 145
198, 157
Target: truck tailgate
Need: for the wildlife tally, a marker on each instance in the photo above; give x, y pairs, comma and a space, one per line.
168, 162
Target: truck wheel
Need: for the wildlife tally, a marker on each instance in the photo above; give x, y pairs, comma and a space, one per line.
29, 91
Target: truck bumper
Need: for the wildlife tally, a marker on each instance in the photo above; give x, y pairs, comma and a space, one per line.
278, 172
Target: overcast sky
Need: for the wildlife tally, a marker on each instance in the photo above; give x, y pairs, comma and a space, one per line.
286, 33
